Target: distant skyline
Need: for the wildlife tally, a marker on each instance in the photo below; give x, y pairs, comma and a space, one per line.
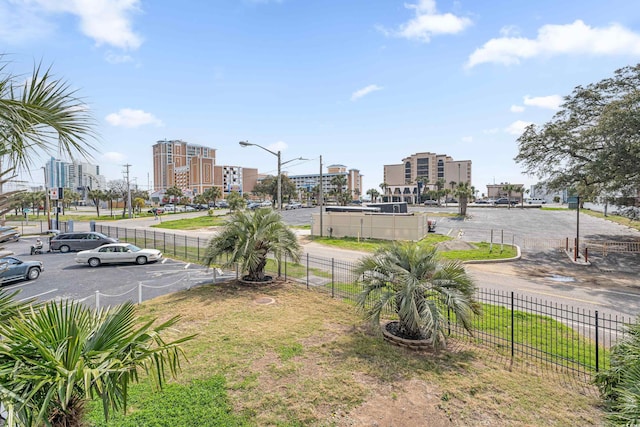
362, 83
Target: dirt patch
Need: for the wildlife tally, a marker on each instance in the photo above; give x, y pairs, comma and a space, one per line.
455, 245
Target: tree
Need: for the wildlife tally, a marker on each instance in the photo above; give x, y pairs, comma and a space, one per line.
212, 194
340, 182
236, 201
96, 196
463, 192
410, 280
60, 354
174, 193
384, 186
248, 238
373, 194
510, 188
594, 140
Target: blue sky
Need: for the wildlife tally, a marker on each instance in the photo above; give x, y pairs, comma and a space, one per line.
362, 83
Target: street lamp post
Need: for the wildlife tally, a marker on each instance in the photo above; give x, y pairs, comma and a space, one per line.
279, 201
280, 163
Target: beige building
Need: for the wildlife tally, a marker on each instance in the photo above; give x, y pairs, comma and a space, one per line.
496, 191
189, 167
423, 170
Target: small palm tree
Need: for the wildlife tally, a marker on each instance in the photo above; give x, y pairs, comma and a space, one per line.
410, 280
56, 356
248, 238
463, 192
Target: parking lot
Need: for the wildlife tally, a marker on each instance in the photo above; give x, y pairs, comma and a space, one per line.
63, 278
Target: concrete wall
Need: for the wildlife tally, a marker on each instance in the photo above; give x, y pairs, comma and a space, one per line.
412, 226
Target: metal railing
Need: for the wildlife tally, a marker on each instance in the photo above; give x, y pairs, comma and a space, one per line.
522, 327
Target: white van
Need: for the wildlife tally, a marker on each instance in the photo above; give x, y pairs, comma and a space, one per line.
536, 201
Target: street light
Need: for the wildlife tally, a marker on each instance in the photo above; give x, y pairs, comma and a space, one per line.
280, 163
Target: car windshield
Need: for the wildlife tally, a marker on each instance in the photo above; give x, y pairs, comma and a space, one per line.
133, 248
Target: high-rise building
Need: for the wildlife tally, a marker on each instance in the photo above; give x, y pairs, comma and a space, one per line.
189, 167
309, 181
423, 170
80, 177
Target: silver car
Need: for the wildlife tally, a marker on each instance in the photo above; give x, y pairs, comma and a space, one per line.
12, 268
117, 253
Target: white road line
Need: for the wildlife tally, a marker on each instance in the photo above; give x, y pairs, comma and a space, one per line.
39, 295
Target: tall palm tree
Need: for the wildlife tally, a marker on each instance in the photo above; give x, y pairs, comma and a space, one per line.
96, 196
248, 238
373, 194
173, 193
410, 280
339, 182
463, 192
384, 186
56, 356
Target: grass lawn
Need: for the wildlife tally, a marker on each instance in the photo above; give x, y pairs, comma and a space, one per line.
309, 360
191, 223
613, 218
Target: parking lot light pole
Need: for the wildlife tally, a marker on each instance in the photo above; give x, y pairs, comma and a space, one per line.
279, 201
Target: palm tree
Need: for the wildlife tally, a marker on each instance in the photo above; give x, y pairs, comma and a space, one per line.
373, 194
58, 355
41, 113
384, 186
510, 188
339, 182
173, 193
410, 280
248, 238
212, 194
463, 192
236, 201
96, 196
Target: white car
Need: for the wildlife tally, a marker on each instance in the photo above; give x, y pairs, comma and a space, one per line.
118, 253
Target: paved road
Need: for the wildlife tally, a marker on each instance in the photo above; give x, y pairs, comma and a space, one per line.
610, 285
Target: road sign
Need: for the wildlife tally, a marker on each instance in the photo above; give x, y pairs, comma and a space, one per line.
53, 193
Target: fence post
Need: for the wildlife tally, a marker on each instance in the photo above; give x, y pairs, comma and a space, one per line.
513, 328
139, 292
97, 300
586, 254
307, 270
575, 249
214, 275
567, 245
597, 345
185, 247
333, 276
174, 245
198, 244
501, 240
491, 242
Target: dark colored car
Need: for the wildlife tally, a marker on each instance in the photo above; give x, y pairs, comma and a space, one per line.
12, 268
65, 242
505, 201
8, 234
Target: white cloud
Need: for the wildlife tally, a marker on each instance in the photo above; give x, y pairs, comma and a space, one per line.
113, 157
278, 146
516, 109
570, 39
551, 102
129, 118
105, 21
491, 131
427, 23
467, 139
114, 58
517, 127
364, 91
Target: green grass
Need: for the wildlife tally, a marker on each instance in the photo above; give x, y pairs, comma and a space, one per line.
484, 251
200, 403
309, 360
613, 218
191, 223
371, 245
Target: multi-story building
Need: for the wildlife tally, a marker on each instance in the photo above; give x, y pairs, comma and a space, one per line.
235, 178
496, 191
406, 180
309, 181
189, 167
79, 177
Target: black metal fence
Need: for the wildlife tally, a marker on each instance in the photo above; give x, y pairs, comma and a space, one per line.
522, 327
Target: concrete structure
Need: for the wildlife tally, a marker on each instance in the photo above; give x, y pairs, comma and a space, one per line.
366, 225
306, 183
235, 178
187, 166
420, 171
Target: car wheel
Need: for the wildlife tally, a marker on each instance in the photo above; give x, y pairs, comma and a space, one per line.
33, 273
64, 249
141, 260
94, 262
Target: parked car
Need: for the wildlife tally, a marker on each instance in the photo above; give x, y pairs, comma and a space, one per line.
451, 200
293, 205
430, 203
12, 268
222, 204
8, 234
65, 242
505, 201
156, 211
117, 253
253, 205
483, 202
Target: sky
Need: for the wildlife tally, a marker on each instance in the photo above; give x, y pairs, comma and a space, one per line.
362, 83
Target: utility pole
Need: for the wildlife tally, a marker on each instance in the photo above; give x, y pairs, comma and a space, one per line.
127, 166
320, 196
